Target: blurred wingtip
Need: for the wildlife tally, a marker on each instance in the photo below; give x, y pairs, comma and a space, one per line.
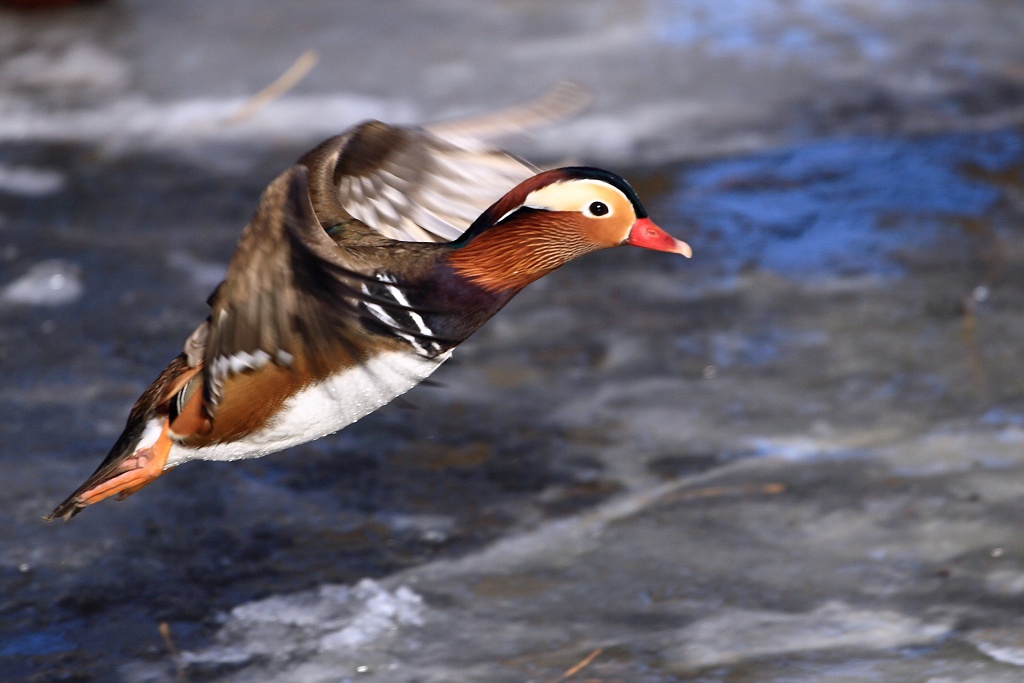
64, 511
560, 102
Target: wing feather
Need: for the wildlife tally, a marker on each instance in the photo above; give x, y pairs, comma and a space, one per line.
290, 292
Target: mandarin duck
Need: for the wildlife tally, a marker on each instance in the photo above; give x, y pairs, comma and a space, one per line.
363, 266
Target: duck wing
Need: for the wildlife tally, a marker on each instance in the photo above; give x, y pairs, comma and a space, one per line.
427, 184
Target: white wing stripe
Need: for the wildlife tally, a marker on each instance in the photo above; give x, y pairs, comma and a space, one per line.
241, 361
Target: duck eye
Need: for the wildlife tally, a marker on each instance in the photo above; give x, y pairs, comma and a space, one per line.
598, 209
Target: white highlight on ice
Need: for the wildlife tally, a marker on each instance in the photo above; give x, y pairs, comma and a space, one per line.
35, 182
336, 618
48, 283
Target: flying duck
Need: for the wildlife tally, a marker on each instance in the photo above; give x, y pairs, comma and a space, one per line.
363, 267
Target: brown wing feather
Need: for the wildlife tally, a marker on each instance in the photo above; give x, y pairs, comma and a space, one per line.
254, 311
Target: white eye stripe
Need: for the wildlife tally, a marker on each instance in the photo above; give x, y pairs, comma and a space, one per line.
575, 195
589, 209
524, 205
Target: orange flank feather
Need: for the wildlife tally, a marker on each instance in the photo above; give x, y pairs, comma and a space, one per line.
249, 400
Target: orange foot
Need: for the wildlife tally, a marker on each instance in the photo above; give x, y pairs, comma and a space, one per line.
124, 479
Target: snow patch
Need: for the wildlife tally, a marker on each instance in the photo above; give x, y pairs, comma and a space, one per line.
34, 182
1006, 582
1004, 645
156, 125
793, 449
80, 65
338, 619
381, 612
955, 450
736, 635
48, 283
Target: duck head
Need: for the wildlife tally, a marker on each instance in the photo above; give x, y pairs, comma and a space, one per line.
550, 219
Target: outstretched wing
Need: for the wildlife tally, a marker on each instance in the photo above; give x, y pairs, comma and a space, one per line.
407, 183
427, 184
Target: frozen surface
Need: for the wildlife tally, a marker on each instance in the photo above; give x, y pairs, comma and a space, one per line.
733, 635
671, 78
796, 457
831, 208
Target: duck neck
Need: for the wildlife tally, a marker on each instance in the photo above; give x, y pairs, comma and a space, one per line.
511, 254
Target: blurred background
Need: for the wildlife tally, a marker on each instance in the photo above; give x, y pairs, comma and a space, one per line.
794, 457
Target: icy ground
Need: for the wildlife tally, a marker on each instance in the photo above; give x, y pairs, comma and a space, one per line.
796, 457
